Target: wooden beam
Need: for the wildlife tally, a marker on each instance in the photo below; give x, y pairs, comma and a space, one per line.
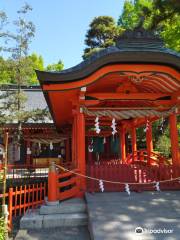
130, 96
125, 108
88, 103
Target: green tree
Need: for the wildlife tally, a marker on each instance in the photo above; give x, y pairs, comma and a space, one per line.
37, 62
20, 70
8, 73
102, 33
3, 22
163, 144
55, 66
161, 16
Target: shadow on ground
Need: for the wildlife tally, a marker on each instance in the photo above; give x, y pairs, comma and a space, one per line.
115, 216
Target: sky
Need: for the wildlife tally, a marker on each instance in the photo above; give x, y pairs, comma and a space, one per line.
61, 25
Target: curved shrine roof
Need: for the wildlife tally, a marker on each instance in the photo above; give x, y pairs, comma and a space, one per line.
137, 73
137, 46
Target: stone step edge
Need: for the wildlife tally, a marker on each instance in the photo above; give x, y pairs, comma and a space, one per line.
63, 209
36, 221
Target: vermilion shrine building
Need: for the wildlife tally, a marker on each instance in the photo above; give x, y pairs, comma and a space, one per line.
135, 82
39, 143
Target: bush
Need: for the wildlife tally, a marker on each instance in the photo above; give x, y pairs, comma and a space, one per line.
164, 145
2, 229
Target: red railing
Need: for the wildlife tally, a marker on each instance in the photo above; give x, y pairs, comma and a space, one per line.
63, 184
142, 157
67, 185
134, 173
20, 199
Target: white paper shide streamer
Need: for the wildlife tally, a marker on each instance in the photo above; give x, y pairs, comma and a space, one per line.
127, 189
113, 126
39, 144
28, 151
101, 185
90, 147
147, 126
162, 125
157, 186
51, 146
97, 125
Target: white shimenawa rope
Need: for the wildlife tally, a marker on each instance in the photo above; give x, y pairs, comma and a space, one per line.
107, 181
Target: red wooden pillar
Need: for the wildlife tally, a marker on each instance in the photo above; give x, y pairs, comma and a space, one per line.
80, 146
52, 184
73, 142
123, 143
174, 140
134, 143
149, 141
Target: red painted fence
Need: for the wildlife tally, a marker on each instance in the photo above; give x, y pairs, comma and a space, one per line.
138, 174
20, 199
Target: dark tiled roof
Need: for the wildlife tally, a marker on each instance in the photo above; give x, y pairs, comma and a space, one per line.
34, 94
35, 99
138, 46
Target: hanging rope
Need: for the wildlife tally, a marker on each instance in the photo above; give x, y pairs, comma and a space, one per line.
114, 182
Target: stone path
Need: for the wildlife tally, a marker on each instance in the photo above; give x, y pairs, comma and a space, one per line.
115, 216
74, 233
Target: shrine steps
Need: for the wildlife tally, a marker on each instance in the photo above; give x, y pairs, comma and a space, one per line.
69, 213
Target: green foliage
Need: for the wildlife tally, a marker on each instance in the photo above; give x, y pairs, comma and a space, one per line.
164, 145
132, 13
89, 52
33, 61
161, 16
171, 33
5, 71
36, 62
2, 229
102, 33
55, 66
141, 138
19, 69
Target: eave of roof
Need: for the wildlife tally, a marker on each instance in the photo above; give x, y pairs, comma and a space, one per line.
130, 48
